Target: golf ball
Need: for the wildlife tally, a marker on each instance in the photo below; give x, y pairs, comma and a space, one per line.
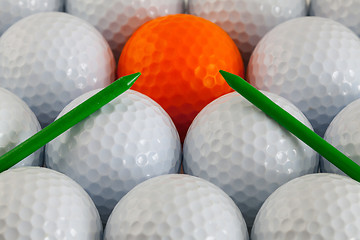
247, 21
17, 123
127, 141
344, 11
12, 11
179, 57
176, 206
234, 145
311, 61
316, 206
48, 59
118, 19
39, 203
343, 133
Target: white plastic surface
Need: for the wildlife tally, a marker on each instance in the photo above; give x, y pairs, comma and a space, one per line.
344, 11
12, 11
247, 21
39, 203
49, 59
234, 145
17, 123
174, 207
344, 134
313, 207
129, 140
311, 61
117, 20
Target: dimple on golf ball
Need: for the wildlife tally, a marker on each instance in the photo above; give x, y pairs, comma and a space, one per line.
247, 21
39, 203
311, 61
127, 141
313, 207
118, 19
234, 145
173, 207
49, 59
344, 134
12, 11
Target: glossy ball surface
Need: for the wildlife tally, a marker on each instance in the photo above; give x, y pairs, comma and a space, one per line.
234, 145
247, 21
344, 11
179, 57
118, 19
39, 203
311, 61
344, 134
127, 141
173, 207
12, 11
17, 123
314, 207
49, 59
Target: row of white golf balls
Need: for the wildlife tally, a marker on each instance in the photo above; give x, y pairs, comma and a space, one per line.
132, 139
117, 19
314, 61
102, 177
317, 206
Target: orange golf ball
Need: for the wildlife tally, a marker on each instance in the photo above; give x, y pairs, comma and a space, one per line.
179, 57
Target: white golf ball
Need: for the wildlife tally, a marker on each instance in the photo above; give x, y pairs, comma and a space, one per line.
311, 61
49, 59
39, 203
313, 207
344, 11
344, 134
234, 145
12, 11
17, 123
117, 20
129, 140
173, 207
247, 21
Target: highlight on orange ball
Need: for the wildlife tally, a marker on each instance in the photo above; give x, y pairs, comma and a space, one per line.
179, 57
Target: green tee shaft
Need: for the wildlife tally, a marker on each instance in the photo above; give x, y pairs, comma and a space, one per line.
67, 121
294, 126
